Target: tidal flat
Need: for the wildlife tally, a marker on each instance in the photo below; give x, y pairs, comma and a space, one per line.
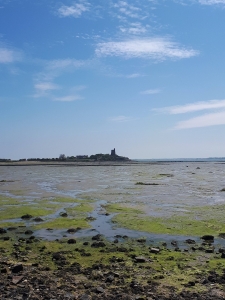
160, 226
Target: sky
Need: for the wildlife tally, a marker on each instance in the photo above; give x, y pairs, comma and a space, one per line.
81, 77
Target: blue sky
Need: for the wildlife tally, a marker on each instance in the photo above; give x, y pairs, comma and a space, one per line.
83, 77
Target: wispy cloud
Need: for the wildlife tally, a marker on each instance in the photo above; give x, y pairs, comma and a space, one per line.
9, 56
75, 10
211, 2
206, 120
120, 119
193, 107
151, 48
216, 115
42, 89
68, 98
134, 28
151, 92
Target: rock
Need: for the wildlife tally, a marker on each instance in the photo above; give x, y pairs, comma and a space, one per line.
116, 241
64, 215
98, 244
99, 290
17, 279
223, 255
38, 219
140, 259
97, 237
110, 278
28, 232
2, 230
221, 250
174, 243
207, 237
71, 241
26, 217
155, 250
85, 297
86, 243
17, 268
211, 250
190, 241
141, 240
58, 256
72, 230
222, 235
11, 228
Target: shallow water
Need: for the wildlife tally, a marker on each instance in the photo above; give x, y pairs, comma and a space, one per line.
180, 185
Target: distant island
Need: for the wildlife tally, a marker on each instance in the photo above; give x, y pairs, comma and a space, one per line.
62, 157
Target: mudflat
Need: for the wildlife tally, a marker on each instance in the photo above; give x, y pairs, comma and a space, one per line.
112, 230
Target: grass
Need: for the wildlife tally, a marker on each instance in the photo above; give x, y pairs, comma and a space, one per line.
61, 223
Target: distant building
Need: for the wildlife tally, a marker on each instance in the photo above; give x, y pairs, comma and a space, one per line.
113, 152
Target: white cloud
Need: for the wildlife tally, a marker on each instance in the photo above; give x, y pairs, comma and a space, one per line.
134, 28
151, 48
211, 2
45, 86
75, 10
151, 92
193, 107
206, 120
8, 55
42, 89
68, 98
120, 119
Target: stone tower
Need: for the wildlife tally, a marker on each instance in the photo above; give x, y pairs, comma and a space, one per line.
113, 152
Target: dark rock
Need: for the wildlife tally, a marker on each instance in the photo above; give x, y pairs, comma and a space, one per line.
58, 256
11, 228
72, 230
97, 237
207, 237
110, 278
221, 250
28, 232
17, 268
64, 215
190, 241
223, 255
222, 235
71, 241
174, 243
2, 230
116, 241
6, 238
26, 217
211, 250
38, 219
98, 244
141, 240
86, 243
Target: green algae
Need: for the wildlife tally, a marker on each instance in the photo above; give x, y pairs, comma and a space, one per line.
13, 212
196, 222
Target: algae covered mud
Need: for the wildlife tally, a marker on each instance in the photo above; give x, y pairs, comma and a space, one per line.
144, 230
